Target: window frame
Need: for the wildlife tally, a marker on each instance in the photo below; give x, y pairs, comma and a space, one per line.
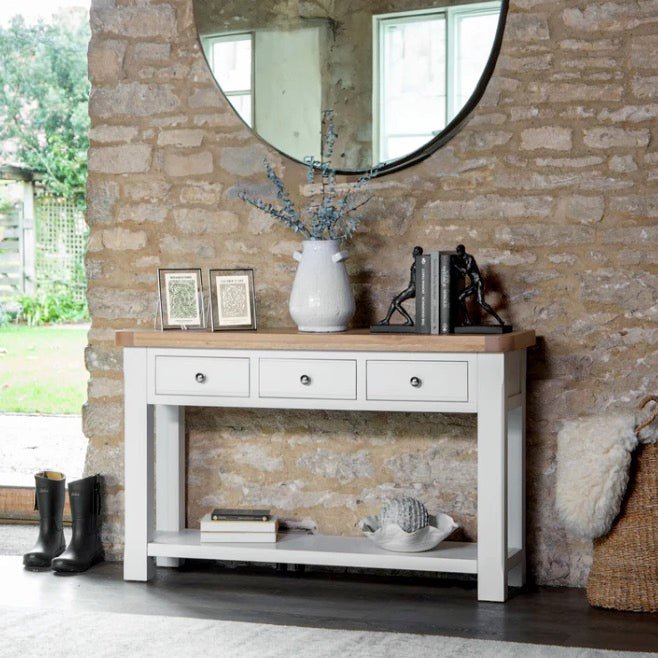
451, 15
207, 43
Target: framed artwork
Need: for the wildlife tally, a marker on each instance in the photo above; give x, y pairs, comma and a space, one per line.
181, 298
232, 299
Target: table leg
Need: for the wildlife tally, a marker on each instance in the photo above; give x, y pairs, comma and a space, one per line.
138, 464
169, 473
516, 480
492, 478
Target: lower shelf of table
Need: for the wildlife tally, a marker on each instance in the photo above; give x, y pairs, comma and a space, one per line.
328, 550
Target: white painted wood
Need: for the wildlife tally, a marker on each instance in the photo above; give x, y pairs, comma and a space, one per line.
299, 548
514, 401
326, 378
353, 404
138, 461
516, 507
492, 478
169, 473
513, 374
491, 384
443, 381
28, 240
206, 375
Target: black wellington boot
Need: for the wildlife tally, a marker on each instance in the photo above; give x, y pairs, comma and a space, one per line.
85, 548
49, 500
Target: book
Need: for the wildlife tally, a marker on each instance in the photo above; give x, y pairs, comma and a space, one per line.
423, 265
233, 525
451, 284
221, 514
239, 537
434, 292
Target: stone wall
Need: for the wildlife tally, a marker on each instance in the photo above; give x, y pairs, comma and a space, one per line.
552, 184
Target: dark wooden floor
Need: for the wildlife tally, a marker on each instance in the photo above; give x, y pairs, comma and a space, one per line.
345, 601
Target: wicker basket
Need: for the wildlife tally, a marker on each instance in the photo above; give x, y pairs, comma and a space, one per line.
624, 574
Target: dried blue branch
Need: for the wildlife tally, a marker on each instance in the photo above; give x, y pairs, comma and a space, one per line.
333, 217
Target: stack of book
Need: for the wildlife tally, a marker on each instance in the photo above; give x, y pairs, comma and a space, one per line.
438, 285
239, 525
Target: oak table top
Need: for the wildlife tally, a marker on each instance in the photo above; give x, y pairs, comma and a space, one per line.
354, 340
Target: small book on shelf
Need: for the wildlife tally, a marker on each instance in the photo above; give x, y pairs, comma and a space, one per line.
237, 525
225, 514
239, 537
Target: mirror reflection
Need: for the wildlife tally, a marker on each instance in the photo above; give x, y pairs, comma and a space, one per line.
394, 72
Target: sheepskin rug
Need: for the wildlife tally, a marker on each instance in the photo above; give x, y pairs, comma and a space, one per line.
593, 459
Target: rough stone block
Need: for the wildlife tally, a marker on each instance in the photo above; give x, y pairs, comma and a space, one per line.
583, 209
242, 161
613, 137
630, 114
141, 212
643, 51
608, 16
101, 197
645, 87
102, 419
152, 52
622, 164
128, 159
121, 239
108, 134
105, 60
527, 27
491, 207
207, 98
201, 221
193, 164
154, 21
136, 99
547, 137
201, 194
644, 205
112, 303
183, 137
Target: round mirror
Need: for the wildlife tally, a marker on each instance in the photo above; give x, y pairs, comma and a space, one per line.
397, 77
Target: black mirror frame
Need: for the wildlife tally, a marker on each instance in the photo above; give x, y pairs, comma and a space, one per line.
424, 151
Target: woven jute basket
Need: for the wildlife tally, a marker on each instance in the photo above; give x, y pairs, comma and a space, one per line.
624, 574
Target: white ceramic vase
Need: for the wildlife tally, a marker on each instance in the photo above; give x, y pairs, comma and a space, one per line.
321, 298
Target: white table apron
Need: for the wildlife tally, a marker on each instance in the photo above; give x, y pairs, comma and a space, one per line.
160, 382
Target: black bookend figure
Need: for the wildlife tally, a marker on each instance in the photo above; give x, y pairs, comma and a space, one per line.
396, 304
465, 264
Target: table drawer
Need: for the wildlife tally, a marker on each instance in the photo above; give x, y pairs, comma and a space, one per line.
203, 376
308, 378
422, 381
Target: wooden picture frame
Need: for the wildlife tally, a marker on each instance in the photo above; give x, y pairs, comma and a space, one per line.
180, 294
232, 299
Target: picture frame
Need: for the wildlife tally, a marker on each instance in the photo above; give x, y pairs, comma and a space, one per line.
232, 299
180, 295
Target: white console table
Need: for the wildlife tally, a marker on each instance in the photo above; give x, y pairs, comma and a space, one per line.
166, 371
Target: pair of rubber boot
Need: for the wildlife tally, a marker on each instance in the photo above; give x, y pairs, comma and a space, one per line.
50, 549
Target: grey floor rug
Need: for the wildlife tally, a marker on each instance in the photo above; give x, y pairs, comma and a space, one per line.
28, 632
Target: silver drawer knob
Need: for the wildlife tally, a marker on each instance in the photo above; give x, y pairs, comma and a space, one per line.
305, 380
416, 382
200, 377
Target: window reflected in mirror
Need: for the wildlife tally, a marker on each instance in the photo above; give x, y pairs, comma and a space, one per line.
427, 65
232, 63
394, 80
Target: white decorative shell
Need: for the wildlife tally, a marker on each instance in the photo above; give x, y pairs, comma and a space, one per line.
407, 513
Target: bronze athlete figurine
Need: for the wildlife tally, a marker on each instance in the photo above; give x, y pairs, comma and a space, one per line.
408, 293
465, 264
